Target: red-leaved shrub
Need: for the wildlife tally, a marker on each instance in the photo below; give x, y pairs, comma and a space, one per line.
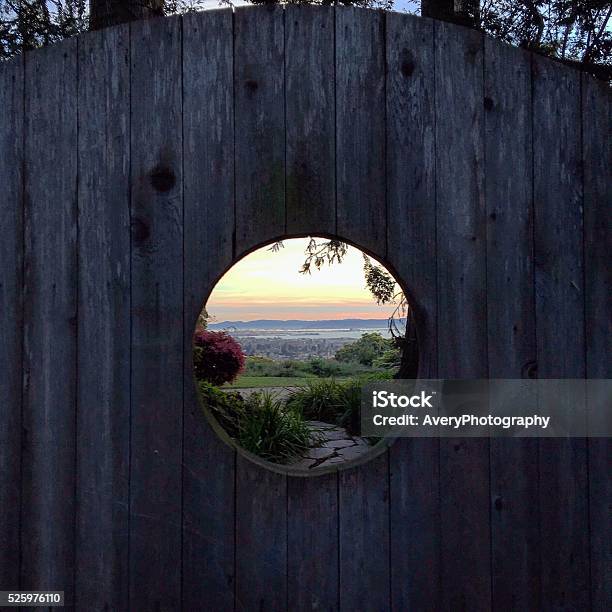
217, 357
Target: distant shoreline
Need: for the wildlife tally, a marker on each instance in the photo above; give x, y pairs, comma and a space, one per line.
299, 324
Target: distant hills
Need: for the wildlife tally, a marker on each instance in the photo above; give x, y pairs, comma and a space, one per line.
294, 324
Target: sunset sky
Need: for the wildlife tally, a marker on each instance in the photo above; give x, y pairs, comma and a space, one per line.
268, 285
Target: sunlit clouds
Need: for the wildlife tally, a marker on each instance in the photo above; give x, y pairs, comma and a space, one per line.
268, 285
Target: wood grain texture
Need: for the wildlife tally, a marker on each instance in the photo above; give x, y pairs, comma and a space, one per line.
312, 507
157, 315
103, 403
511, 322
427, 131
261, 538
414, 507
360, 128
514, 527
461, 230
259, 107
261, 496
50, 345
208, 463
509, 205
559, 306
361, 219
312, 547
11, 315
310, 108
597, 164
411, 164
462, 336
558, 220
414, 464
364, 536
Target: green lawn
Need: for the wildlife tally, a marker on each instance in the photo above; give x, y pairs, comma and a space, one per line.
248, 382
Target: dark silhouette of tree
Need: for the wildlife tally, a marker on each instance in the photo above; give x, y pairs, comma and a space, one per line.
104, 13
465, 12
575, 32
27, 24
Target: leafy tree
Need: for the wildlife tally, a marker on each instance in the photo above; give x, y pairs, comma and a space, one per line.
574, 31
203, 319
364, 351
323, 368
27, 24
389, 360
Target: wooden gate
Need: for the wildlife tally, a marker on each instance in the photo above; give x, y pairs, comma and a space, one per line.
139, 162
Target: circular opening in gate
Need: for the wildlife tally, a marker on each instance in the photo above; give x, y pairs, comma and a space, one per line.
284, 344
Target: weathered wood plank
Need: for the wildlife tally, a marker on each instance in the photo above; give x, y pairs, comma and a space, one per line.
364, 536
559, 305
414, 504
411, 171
50, 345
259, 106
462, 338
460, 203
511, 321
157, 314
312, 547
597, 163
261, 538
414, 464
360, 128
103, 403
464, 516
564, 529
597, 152
311, 148
208, 464
362, 220
558, 220
312, 521
259, 90
11, 315
507, 102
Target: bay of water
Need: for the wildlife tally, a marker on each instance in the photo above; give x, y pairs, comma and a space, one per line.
321, 334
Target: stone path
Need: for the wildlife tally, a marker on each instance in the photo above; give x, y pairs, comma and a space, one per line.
337, 447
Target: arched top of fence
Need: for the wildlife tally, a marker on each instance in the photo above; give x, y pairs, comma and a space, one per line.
348, 18
138, 162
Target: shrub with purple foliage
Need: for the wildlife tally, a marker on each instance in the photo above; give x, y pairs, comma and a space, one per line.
217, 357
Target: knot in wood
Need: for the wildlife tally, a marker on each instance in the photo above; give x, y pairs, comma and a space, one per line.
407, 68
162, 178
